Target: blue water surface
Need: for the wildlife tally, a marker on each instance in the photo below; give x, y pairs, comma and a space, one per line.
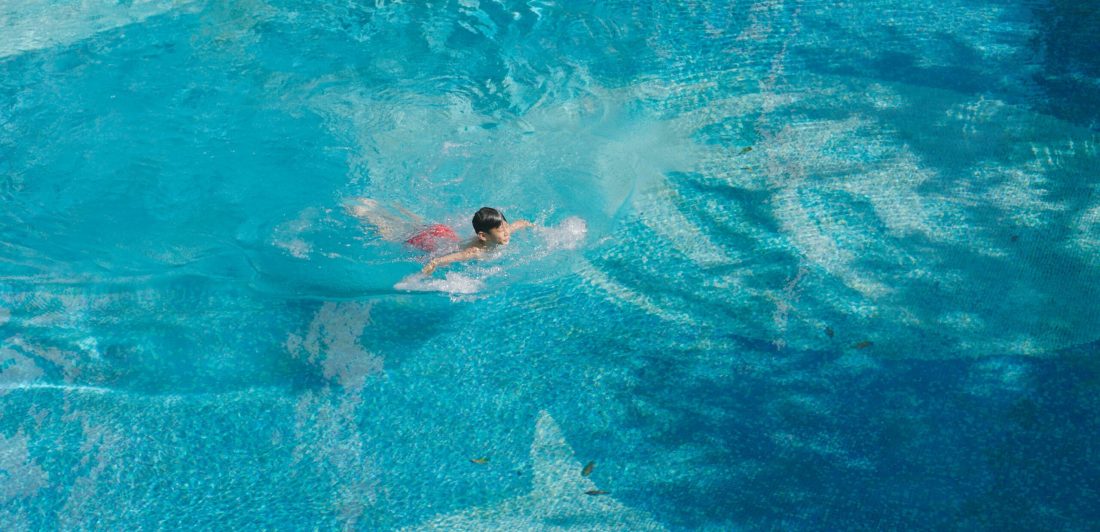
797, 265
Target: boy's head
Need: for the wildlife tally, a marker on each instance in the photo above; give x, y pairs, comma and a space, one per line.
491, 226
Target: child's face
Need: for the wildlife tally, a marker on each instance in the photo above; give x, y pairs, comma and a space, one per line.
497, 236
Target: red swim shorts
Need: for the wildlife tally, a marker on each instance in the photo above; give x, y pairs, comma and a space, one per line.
432, 237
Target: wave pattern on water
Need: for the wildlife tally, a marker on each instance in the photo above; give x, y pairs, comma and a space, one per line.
782, 245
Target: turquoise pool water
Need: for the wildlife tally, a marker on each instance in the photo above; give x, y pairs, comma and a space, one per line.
799, 265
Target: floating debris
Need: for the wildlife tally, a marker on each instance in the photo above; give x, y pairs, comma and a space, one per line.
864, 344
480, 460
597, 492
829, 332
745, 150
588, 469
1014, 238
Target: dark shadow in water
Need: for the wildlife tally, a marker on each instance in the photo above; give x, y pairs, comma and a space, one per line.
1068, 45
1065, 47
910, 444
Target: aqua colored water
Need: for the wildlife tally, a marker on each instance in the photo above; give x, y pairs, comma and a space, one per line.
799, 265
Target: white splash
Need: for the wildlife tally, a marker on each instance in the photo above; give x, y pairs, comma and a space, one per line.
454, 283
569, 234
557, 499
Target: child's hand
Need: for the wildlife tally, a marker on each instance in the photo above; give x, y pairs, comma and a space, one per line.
428, 268
520, 224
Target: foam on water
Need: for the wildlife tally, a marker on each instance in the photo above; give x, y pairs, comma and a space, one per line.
451, 283
567, 235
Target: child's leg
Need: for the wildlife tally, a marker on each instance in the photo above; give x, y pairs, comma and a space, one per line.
411, 216
390, 225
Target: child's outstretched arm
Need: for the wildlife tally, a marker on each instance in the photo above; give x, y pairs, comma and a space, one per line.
457, 256
520, 224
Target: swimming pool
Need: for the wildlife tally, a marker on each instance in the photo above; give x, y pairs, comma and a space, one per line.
799, 265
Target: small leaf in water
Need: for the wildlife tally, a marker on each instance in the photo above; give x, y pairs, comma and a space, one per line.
588, 469
864, 344
480, 460
596, 492
745, 150
829, 332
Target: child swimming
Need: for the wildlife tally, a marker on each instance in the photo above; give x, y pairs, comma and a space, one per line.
491, 229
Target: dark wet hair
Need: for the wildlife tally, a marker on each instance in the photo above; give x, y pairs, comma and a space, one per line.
487, 219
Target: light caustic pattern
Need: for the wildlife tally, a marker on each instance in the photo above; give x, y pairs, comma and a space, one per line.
793, 261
